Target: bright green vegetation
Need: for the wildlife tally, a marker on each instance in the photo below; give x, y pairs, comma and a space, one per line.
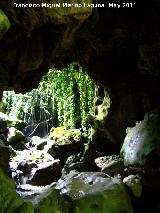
9, 201
66, 96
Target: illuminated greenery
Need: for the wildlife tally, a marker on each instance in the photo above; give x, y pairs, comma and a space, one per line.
64, 95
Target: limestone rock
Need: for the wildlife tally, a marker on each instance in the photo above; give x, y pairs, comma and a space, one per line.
142, 139
16, 138
28, 17
56, 201
133, 182
63, 151
111, 165
94, 192
46, 173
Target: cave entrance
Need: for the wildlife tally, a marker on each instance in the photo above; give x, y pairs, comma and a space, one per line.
50, 127
54, 114
63, 98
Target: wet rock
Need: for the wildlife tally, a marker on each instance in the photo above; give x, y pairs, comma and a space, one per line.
17, 139
110, 165
56, 201
26, 167
34, 194
46, 173
63, 151
94, 192
142, 140
13, 122
37, 142
4, 158
73, 166
133, 182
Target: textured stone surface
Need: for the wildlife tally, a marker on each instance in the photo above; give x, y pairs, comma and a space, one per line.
46, 173
94, 192
142, 139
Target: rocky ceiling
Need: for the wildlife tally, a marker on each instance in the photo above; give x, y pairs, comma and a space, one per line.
120, 48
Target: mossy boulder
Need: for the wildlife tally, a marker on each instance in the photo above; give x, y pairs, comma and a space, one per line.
16, 138
92, 192
4, 23
9, 201
53, 203
62, 136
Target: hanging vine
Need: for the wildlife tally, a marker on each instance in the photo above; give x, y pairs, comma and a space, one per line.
67, 93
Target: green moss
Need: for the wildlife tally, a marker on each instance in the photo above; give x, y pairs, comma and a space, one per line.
25, 208
61, 132
53, 203
9, 201
4, 24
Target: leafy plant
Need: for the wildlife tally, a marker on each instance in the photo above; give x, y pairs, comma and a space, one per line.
64, 95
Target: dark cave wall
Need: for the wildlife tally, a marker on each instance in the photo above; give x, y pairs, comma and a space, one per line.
120, 49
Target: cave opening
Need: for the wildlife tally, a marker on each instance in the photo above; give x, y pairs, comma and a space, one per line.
54, 121
109, 160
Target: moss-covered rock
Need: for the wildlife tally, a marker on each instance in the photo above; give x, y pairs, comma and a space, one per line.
4, 23
9, 201
25, 208
63, 136
54, 203
91, 192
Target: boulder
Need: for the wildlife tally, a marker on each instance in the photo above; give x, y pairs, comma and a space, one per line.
9, 201
94, 192
13, 122
56, 201
133, 182
46, 173
111, 165
63, 151
142, 140
17, 139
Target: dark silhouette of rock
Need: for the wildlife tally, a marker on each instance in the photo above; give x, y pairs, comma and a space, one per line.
46, 173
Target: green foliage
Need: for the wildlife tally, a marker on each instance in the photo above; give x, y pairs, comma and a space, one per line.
74, 93
64, 95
